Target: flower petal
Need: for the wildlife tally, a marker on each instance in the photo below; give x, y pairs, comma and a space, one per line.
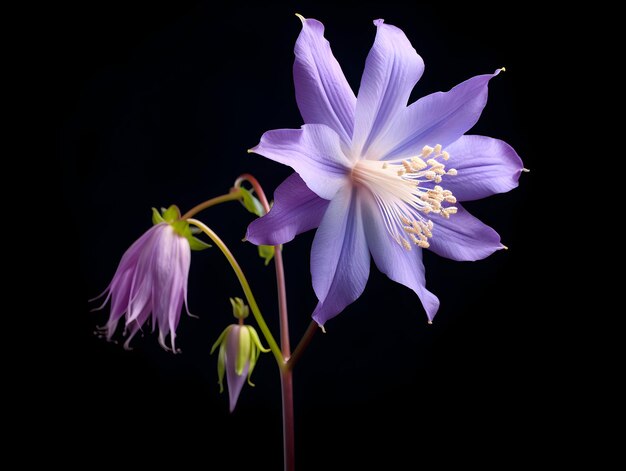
391, 71
235, 382
463, 237
340, 260
314, 151
322, 91
438, 118
400, 265
296, 209
485, 166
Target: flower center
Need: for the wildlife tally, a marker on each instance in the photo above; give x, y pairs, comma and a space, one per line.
405, 193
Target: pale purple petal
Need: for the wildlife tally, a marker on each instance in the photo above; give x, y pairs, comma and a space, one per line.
296, 209
340, 260
151, 283
142, 285
463, 237
391, 71
401, 265
322, 91
439, 118
485, 166
235, 381
314, 151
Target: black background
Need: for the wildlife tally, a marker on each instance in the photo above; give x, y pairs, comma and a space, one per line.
157, 105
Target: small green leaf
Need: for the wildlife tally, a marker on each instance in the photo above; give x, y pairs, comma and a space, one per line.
171, 214
266, 252
197, 244
251, 203
156, 217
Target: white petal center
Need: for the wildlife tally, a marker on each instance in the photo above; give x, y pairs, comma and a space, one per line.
404, 196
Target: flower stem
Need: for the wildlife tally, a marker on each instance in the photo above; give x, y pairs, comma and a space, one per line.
246, 289
289, 445
286, 375
302, 345
234, 195
280, 270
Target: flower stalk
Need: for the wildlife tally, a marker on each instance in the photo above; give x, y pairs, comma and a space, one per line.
256, 312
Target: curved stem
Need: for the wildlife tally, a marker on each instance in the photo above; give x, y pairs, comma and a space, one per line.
280, 270
302, 345
246, 289
234, 195
286, 374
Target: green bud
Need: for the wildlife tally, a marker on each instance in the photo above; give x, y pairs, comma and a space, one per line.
239, 350
240, 309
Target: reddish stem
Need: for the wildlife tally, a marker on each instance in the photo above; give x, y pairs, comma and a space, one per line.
286, 375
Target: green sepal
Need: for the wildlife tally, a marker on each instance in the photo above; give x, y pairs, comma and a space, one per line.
156, 217
251, 203
171, 214
221, 359
221, 366
220, 339
183, 229
255, 351
255, 339
243, 354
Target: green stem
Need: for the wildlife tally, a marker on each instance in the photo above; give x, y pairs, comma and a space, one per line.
246, 289
235, 194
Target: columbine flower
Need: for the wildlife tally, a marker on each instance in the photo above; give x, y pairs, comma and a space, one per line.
240, 348
376, 175
151, 279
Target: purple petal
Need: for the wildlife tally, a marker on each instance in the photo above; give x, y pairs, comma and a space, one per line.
296, 209
235, 381
485, 166
463, 237
439, 118
400, 265
314, 151
144, 278
170, 278
340, 260
391, 71
322, 91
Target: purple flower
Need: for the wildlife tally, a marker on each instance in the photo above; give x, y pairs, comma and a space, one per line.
150, 283
377, 176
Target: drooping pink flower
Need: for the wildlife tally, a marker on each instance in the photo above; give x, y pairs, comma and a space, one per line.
150, 284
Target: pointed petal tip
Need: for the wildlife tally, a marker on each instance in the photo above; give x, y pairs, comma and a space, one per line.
430, 322
320, 325
302, 18
378, 22
503, 247
525, 170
